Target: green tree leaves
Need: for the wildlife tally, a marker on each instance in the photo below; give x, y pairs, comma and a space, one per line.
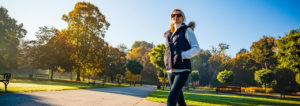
157, 56
264, 76
289, 51
263, 52
225, 76
134, 66
10, 35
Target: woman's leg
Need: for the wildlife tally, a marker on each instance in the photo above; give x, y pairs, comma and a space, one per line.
181, 101
177, 84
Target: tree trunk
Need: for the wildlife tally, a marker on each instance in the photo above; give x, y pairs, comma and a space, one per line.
78, 76
119, 81
71, 77
111, 79
164, 82
141, 81
193, 84
104, 81
83, 77
266, 66
51, 77
265, 88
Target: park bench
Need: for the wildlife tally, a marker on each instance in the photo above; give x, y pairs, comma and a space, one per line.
289, 92
41, 76
5, 79
228, 89
92, 80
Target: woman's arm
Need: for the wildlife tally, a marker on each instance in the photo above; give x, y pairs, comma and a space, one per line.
191, 38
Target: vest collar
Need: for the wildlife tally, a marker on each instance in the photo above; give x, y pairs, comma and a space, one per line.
178, 29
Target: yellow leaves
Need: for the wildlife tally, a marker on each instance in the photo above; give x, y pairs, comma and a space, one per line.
238, 57
257, 89
137, 54
131, 77
162, 79
60, 69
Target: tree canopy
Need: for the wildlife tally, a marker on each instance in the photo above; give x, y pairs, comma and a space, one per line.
87, 27
289, 51
10, 34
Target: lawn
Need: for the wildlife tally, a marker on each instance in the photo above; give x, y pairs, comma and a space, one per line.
23, 85
199, 98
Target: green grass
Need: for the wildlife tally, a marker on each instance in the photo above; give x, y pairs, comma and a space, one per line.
23, 85
199, 98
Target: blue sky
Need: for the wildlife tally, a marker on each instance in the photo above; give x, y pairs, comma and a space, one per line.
235, 22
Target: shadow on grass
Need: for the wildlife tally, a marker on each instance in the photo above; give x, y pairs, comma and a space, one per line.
225, 99
13, 99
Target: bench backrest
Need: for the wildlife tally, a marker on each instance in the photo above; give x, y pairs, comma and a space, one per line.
7, 76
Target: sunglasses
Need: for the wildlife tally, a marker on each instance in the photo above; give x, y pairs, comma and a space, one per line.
178, 15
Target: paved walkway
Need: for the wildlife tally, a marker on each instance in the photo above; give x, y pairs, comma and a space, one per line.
118, 96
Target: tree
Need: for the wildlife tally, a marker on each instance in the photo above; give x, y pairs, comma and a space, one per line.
264, 77
45, 33
162, 78
263, 52
157, 59
225, 76
134, 67
52, 50
39, 53
116, 64
242, 51
157, 56
243, 68
218, 58
60, 53
10, 35
200, 63
144, 44
131, 77
87, 27
285, 79
222, 48
195, 77
123, 48
139, 52
289, 51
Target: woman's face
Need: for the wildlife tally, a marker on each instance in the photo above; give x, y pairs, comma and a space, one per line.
177, 17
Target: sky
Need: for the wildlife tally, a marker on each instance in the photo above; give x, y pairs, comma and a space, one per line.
238, 23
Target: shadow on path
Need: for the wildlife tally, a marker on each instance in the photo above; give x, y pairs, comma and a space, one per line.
66, 97
15, 99
130, 91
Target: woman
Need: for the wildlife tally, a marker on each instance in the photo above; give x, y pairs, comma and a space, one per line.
181, 46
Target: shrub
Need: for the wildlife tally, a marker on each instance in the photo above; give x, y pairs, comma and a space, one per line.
225, 76
264, 77
257, 90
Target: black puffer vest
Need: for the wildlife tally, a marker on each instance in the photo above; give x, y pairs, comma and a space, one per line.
175, 44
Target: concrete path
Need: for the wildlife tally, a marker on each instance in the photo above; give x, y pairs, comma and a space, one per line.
118, 96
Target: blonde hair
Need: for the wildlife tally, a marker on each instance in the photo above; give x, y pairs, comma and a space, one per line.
172, 29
